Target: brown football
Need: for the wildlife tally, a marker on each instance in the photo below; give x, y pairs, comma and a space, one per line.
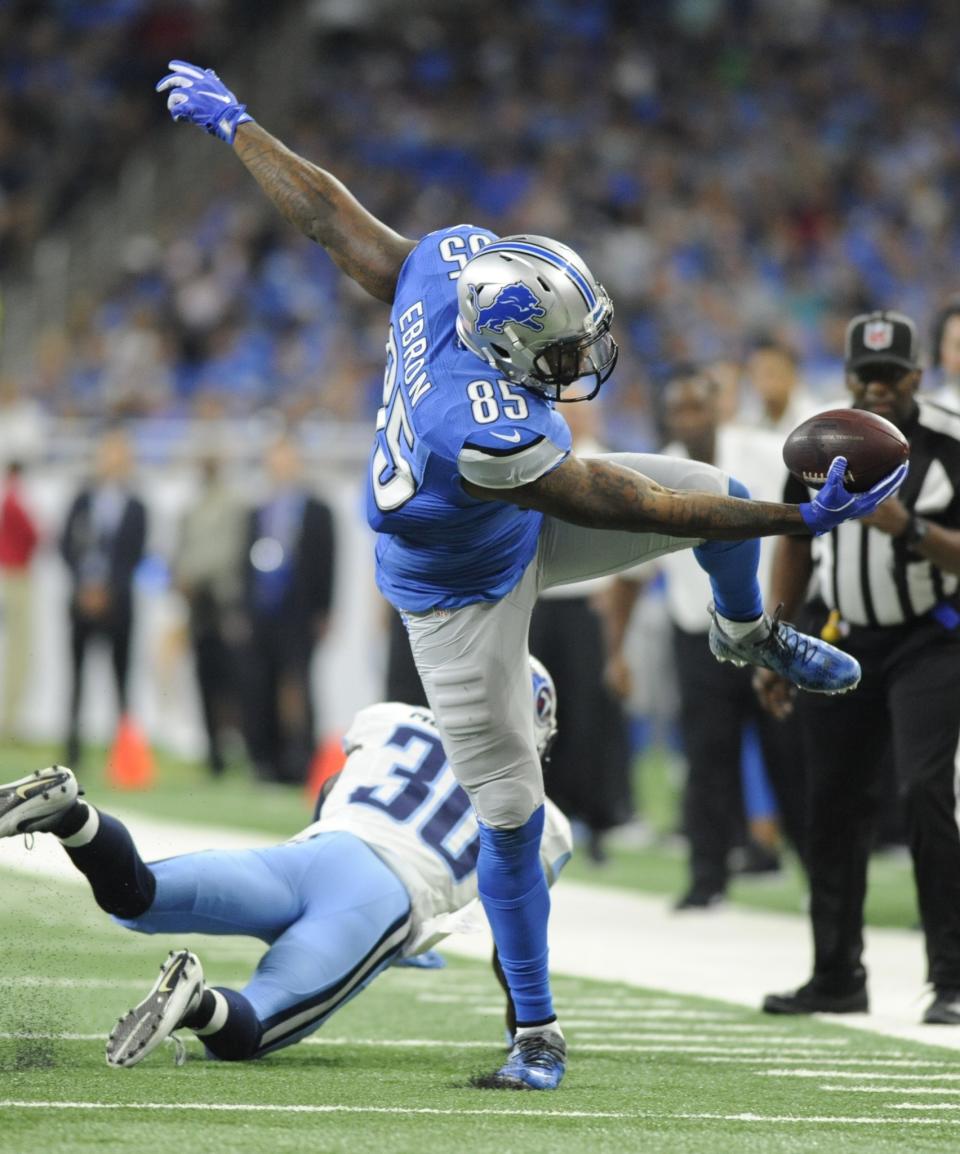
872, 445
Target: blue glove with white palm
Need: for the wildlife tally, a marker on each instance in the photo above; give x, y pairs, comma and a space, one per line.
200, 96
834, 504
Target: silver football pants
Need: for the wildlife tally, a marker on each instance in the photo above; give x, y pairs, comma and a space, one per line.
473, 661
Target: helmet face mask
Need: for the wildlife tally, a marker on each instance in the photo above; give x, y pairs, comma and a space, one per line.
590, 359
531, 309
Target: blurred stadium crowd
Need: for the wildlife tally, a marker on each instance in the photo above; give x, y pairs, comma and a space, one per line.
730, 168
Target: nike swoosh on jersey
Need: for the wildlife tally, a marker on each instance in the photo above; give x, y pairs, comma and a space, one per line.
514, 437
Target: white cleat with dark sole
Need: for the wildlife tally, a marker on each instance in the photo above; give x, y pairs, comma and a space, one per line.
32, 804
175, 993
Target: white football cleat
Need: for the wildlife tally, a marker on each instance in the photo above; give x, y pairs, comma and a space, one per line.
175, 993
32, 804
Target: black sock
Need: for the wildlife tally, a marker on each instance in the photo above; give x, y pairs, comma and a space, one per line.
71, 821
122, 883
237, 1029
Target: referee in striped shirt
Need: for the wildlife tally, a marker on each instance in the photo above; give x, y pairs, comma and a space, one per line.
886, 590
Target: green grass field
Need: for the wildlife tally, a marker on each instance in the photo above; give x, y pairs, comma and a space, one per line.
648, 1071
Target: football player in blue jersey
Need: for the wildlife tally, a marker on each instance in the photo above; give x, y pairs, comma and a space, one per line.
386, 869
479, 504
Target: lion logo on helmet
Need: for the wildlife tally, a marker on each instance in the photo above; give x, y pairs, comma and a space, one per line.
514, 304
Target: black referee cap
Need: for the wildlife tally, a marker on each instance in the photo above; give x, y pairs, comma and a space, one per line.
881, 338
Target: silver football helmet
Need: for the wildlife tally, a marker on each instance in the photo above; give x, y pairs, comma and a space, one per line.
544, 707
532, 309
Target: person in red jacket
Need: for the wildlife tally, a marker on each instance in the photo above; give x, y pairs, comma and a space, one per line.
18, 543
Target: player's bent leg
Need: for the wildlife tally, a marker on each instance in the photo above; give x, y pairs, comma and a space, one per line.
741, 633
221, 892
355, 921
473, 664
98, 845
569, 553
352, 920
516, 899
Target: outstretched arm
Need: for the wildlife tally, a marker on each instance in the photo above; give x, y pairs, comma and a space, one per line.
600, 494
320, 206
310, 198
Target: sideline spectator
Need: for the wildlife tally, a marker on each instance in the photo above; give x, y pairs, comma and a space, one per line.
19, 537
716, 701
103, 543
773, 375
945, 357
207, 570
288, 590
888, 592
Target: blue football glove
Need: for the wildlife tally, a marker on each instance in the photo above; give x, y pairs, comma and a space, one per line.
834, 504
200, 96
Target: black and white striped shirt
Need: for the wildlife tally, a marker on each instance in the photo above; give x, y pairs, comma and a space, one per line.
872, 578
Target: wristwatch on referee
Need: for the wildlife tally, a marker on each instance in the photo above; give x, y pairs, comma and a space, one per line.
917, 528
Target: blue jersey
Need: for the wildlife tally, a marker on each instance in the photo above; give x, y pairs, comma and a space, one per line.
448, 416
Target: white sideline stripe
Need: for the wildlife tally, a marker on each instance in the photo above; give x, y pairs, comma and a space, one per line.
944, 1077
896, 1059
735, 1030
757, 1054
816, 1119
79, 983
625, 1004
614, 1016
715, 1031
766, 1040
923, 1106
888, 1090
261, 1108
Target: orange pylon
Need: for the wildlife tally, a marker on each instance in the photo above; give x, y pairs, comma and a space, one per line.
130, 762
328, 760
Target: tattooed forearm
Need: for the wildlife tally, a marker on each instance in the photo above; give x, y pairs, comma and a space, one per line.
604, 495
320, 206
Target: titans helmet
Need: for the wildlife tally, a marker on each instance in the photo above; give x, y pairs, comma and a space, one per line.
531, 308
544, 708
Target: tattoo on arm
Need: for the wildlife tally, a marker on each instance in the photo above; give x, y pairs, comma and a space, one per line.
604, 495
322, 208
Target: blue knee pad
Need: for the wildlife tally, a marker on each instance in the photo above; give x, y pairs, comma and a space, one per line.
732, 569
516, 899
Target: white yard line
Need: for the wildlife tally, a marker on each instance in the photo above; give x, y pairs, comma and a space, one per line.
803, 1073
888, 1090
730, 954
683, 1045
533, 1112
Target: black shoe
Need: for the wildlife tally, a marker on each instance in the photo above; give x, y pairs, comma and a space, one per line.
596, 850
944, 1010
699, 899
754, 859
811, 999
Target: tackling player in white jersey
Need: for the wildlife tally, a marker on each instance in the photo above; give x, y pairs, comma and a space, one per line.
385, 871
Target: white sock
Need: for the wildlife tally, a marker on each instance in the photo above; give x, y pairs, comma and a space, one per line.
219, 1018
86, 833
740, 629
522, 1031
